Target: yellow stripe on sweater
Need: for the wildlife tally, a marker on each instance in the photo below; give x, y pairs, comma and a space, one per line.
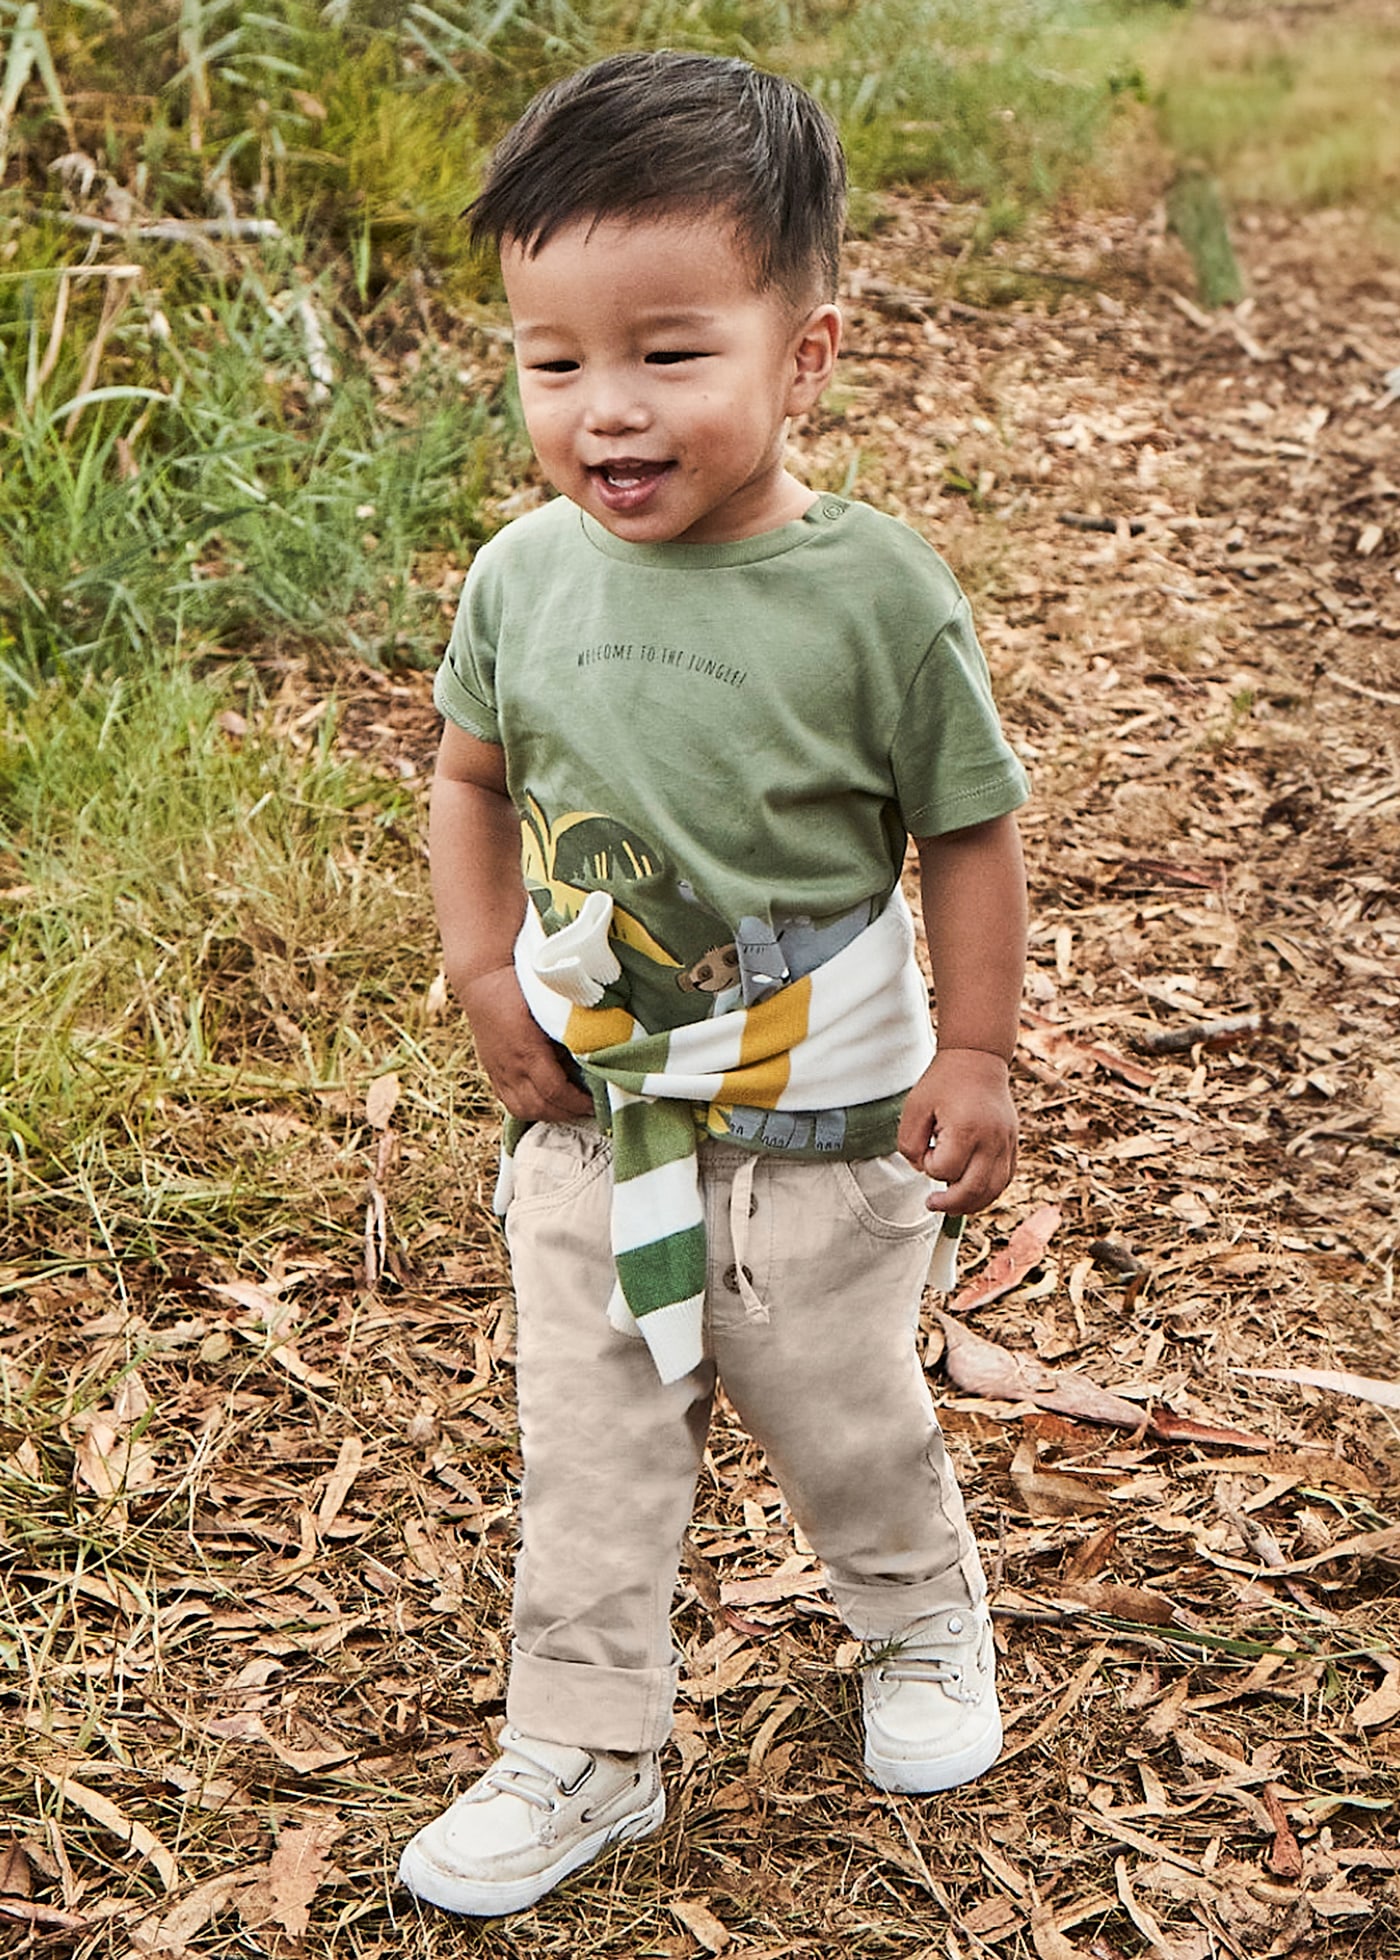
771, 1031
590, 1028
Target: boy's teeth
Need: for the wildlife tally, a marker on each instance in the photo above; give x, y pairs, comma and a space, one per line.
626, 476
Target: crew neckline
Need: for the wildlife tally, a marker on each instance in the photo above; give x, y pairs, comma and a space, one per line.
676, 556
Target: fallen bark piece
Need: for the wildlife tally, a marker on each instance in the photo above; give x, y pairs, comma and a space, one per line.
1081, 521
1007, 1268
1366, 1388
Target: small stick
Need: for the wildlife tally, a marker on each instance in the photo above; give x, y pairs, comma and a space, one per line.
184, 230
1198, 1034
118, 292
1078, 522
40, 374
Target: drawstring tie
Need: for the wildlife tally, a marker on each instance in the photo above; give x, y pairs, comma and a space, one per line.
740, 1214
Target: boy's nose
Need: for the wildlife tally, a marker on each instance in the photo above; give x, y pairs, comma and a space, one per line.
614, 407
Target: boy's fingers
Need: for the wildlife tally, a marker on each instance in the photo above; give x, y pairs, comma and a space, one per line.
544, 1094
973, 1179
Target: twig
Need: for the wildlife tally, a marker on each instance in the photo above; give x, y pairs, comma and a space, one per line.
40, 374
188, 231
1204, 1034
113, 300
1076, 522
1360, 687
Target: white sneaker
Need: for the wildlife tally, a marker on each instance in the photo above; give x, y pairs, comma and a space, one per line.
536, 1815
931, 1714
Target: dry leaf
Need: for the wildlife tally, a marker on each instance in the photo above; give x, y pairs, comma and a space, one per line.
981, 1367
348, 1465
262, 1301
1161, 1946
316, 1751
771, 1587
1285, 1853
1090, 1556
104, 1812
294, 1874
381, 1100
1164, 1426
701, 1924
16, 1877
1047, 1939
1024, 1249
1366, 1544
47, 1919
170, 1934
110, 1458
1382, 1705
1136, 1603
1045, 1495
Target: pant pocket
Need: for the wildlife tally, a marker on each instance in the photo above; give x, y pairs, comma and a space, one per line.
887, 1197
553, 1162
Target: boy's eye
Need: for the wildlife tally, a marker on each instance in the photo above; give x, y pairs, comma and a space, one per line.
671, 357
553, 367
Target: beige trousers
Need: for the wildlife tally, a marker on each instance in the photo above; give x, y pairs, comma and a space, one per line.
815, 1275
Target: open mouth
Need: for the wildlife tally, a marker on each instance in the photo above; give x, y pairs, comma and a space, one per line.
627, 482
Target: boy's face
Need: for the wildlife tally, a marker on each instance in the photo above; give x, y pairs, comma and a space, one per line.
657, 381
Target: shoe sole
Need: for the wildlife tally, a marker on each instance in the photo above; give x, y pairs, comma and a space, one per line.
482, 1899
914, 1778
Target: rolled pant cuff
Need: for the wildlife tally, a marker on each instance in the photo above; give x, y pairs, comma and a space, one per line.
622, 1708
876, 1612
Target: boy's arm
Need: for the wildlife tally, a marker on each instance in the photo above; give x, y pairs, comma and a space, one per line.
959, 1124
474, 847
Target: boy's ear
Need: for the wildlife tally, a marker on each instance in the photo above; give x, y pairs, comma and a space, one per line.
814, 357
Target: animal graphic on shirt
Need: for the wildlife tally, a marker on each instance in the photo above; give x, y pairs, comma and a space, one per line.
714, 974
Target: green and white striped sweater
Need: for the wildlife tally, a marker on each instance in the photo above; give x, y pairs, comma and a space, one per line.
855, 1029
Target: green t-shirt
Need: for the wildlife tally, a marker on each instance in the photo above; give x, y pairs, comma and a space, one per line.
734, 740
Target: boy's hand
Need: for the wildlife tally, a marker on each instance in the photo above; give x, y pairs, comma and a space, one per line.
959, 1125
516, 1053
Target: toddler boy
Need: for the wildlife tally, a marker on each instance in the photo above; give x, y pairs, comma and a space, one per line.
693, 711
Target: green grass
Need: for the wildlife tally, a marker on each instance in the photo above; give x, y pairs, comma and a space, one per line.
1297, 112
237, 470
1004, 104
249, 445
216, 935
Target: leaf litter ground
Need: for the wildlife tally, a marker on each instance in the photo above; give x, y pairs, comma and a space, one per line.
257, 1586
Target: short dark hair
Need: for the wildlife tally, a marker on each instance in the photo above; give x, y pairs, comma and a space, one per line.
644, 134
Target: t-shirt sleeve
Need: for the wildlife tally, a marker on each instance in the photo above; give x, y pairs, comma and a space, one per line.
952, 765
464, 690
